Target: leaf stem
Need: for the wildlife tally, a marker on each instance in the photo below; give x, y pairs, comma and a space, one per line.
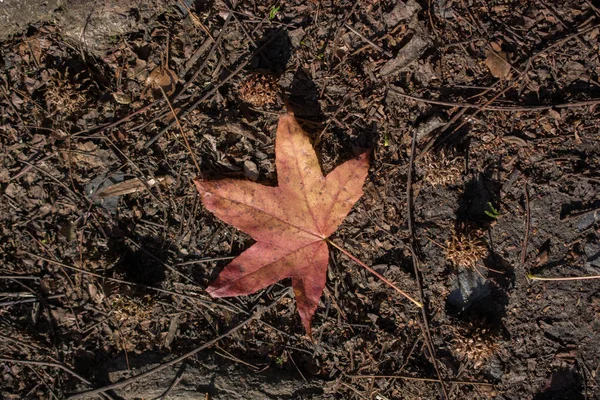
377, 274
567, 278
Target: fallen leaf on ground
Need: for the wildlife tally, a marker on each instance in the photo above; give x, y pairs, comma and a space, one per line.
290, 222
163, 78
497, 63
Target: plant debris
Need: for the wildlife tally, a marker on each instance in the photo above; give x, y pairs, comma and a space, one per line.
466, 249
475, 344
259, 89
441, 170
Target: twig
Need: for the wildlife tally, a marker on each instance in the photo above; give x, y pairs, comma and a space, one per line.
414, 378
338, 31
409, 196
527, 227
18, 277
216, 44
52, 365
257, 314
121, 281
581, 214
567, 278
485, 107
26, 168
415, 261
175, 382
203, 260
196, 20
214, 89
377, 274
187, 143
376, 46
494, 98
120, 121
30, 300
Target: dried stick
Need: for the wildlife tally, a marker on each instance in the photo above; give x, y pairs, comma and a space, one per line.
257, 314
52, 365
124, 282
187, 143
375, 45
567, 278
377, 274
527, 227
414, 378
409, 204
30, 300
486, 107
214, 89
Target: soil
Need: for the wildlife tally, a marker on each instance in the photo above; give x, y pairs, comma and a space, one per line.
482, 121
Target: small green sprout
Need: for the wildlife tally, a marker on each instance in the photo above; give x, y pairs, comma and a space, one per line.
386, 139
274, 11
491, 211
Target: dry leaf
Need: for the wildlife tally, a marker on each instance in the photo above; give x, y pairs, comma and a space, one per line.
497, 63
290, 222
162, 78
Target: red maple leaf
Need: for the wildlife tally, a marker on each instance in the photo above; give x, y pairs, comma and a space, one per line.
290, 222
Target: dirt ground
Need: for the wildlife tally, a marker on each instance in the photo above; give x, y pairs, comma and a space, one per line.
482, 120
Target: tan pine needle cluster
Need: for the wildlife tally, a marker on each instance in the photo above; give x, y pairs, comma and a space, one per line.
63, 97
131, 311
441, 170
474, 344
259, 89
465, 249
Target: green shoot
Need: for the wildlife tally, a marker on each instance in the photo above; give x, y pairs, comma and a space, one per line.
274, 11
491, 211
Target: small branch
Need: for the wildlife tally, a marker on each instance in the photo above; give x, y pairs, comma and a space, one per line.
52, 365
415, 262
375, 45
257, 314
567, 278
414, 378
187, 144
30, 300
485, 107
124, 282
377, 274
527, 227
214, 89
